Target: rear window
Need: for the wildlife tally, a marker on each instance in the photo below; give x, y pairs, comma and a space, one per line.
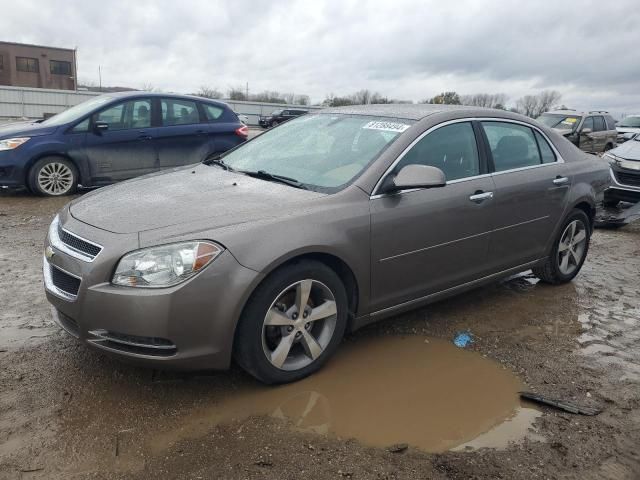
179, 112
212, 112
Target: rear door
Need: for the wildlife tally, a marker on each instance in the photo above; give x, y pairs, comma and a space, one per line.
424, 241
224, 129
600, 135
126, 148
183, 136
531, 191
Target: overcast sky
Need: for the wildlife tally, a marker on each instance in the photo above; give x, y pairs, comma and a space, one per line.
587, 50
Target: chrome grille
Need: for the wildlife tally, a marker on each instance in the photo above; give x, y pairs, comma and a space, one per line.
74, 242
632, 179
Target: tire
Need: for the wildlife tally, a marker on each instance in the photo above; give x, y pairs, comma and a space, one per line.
283, 352
275, 123
53, 177
608, 146
552, 270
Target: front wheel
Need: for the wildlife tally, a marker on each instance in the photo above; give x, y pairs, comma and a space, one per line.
569, 250
292, 323
53, 177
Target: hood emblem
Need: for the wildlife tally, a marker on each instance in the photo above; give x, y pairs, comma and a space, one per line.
49, 252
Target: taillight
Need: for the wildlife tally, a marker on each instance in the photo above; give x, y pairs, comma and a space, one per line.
243, 131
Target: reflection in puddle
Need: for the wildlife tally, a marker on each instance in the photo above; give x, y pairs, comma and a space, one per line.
381, 391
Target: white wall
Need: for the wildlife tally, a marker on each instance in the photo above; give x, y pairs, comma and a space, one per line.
34, 103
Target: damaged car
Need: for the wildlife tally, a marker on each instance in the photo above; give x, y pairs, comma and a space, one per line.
624, 162
271, 252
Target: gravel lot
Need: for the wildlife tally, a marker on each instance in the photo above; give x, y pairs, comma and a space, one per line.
67, 411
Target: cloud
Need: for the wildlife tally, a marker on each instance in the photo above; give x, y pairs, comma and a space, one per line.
404, 49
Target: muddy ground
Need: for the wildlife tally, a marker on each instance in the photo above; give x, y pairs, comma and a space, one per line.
67, 411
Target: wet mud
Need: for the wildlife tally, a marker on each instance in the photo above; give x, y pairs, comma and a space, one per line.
67, 411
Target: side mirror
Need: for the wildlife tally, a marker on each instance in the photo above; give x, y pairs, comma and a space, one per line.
100, 126
415, 176
586, 131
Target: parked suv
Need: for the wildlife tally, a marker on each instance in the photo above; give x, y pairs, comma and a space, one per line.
115, 137
279, 116
593, 132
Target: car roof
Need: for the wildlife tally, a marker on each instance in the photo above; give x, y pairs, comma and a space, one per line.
142, 93
414, 111
577, 113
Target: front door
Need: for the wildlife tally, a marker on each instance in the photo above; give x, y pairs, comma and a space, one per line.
531, 191
425, 241
183, 137
125, 149
586, 140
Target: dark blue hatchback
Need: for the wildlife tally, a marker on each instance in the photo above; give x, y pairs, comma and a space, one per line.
115, 137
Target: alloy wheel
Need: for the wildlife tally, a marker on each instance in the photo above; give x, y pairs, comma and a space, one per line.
572, 247
299, 325
55, 178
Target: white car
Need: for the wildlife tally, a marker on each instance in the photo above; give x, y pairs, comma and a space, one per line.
243, 118
628, 127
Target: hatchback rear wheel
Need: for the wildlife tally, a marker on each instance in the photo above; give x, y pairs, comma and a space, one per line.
292, 324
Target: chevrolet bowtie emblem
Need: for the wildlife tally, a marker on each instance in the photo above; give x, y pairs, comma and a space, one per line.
48, 252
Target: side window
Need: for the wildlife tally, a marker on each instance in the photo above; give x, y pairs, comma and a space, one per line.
179, 112
545, 150
598, 124
611, 123
512, 145
212, 112
126, 115
83, 126
588, 123
452, 149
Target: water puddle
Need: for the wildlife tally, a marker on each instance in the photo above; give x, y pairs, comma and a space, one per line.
382, 391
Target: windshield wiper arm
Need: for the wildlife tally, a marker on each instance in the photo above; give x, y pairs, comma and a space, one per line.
217, 160
264, 175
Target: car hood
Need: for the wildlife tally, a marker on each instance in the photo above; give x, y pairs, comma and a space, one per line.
197, 193
24, 129
563, 131
628, 129
628, 150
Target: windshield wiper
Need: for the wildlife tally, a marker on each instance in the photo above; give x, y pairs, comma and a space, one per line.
264, 175
217, 160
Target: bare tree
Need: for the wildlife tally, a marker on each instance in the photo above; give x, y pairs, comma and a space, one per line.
535, 105
236, 93
488, 100
148, 87
209, 92
302, 100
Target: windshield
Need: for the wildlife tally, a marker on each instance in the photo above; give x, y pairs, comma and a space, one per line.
276, 112
321, 151
559, 122
630, 122
78, 111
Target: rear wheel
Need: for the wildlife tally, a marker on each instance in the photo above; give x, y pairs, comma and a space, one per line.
53, 176
292, 324
569, 251
608, 146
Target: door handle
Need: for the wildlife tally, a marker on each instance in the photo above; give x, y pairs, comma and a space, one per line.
560, 180
200, 132
481, 196
145, 136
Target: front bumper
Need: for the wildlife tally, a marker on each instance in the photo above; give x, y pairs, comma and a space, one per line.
189, 326
625, 185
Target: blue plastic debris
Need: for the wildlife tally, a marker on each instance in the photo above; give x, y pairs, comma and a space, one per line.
463, 339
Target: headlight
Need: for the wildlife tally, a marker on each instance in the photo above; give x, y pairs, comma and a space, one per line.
611, 158
165, 265
11, 143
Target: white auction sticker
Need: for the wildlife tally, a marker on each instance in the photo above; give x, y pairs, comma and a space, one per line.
386, 126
